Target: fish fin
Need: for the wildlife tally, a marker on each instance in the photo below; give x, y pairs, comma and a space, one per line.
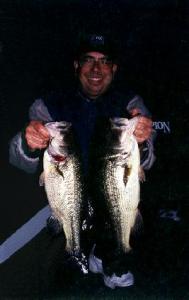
127, 172
137, 229
142, 176
59, 171
41, 179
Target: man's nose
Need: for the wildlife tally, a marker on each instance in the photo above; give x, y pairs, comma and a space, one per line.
96, 65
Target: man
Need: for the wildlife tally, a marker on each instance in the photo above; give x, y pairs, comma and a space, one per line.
95, 96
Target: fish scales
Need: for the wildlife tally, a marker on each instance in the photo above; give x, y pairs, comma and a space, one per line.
63, 182
122, 196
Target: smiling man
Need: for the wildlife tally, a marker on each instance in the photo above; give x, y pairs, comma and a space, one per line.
94, 97
95, 72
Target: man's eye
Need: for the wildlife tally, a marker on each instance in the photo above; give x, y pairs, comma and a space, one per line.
87, 60
105, 61
90, 60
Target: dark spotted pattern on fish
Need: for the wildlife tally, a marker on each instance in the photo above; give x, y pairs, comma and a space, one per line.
63, 182
118, 177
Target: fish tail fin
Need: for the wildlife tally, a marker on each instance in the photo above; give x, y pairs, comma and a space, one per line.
137, 229
41, 179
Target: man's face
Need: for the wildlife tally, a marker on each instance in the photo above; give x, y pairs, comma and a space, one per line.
95, 71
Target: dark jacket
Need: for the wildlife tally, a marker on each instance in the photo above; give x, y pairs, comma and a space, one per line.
82, 112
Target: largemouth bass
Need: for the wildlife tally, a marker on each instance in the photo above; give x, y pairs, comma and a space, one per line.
63, 182
118, 178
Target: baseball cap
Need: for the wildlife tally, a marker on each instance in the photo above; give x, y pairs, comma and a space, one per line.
98, 43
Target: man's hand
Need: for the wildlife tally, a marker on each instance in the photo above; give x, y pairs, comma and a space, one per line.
143, 129
37, 135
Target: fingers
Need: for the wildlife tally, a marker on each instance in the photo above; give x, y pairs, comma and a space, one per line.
134, 112
37, 135
143, 129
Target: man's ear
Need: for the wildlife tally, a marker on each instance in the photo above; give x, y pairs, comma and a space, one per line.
114, 68
76, 65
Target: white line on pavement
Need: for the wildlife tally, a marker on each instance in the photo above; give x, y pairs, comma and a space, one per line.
24, 234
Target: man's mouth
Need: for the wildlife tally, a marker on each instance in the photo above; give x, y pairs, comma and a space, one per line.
95, 79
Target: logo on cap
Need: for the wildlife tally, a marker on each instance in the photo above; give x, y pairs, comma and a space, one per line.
97, 39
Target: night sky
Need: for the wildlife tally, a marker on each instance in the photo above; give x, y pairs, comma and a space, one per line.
38, 40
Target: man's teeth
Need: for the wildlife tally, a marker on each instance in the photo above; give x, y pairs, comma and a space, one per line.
95, 79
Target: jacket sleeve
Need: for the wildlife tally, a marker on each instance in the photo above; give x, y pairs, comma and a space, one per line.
147, 156
19, 154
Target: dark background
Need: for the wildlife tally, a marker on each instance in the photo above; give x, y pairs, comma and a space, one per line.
36, 51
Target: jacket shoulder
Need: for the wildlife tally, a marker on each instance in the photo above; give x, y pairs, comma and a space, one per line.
39, 111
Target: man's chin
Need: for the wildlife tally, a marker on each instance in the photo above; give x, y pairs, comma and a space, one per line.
95, 93
94, 83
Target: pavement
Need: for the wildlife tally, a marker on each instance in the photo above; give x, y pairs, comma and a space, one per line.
37, 271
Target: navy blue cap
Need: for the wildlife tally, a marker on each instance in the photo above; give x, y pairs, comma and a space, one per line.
97, 43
